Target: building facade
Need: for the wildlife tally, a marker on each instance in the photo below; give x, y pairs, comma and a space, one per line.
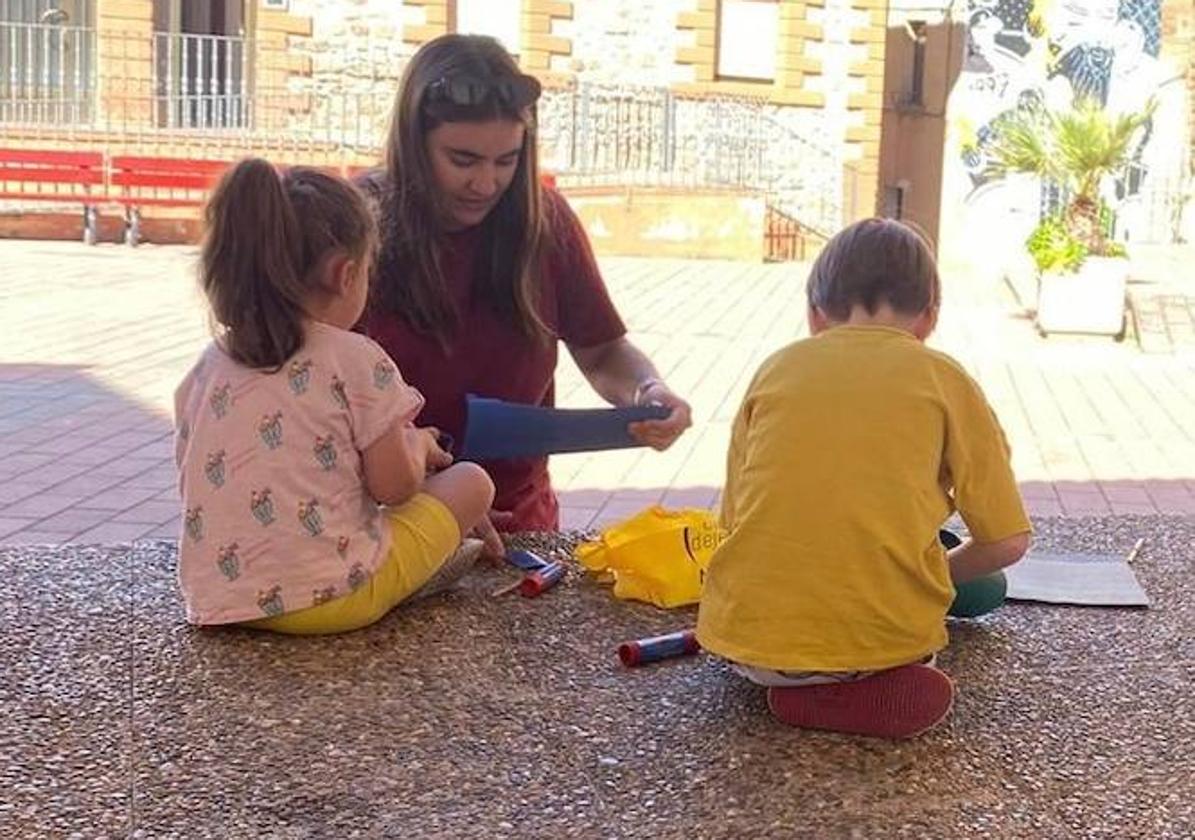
783, 96
830, 110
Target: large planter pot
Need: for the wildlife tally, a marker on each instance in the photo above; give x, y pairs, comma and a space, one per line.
1090, 300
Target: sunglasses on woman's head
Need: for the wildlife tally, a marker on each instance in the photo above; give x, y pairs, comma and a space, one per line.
470, 91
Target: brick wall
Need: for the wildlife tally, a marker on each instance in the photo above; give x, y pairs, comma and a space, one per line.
543, 46
828, 84
622, 42
277, 65
125, 70
1178, 41
794, 64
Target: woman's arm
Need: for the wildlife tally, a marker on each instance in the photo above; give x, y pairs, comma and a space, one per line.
623, 375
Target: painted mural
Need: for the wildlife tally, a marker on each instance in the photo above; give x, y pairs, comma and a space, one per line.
1023, 53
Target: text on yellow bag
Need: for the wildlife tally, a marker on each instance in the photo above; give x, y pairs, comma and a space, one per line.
658, 556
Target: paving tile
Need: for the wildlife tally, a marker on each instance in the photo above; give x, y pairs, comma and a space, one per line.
159, 477
1044, 507
41, 505
1125, 491
33, 536
1175, 505
1038, 490
1094, 426
11, 525
114, 532
152, 512
698, 497
118, 498
73, 520
29, 436
636, 497
21, 463
55, 475
1084, 504
93, 454
576, 518
21, 488
131, 467
88, 483
586, 497
67, 442
617, 511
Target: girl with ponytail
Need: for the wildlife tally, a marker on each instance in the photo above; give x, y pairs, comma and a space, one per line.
312, 502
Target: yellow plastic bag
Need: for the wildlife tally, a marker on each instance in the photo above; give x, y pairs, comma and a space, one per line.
658, 556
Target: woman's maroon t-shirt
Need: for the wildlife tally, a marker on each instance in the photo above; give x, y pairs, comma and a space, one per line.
492, 358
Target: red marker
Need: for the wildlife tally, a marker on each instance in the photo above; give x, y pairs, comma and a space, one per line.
643, 651
540, 581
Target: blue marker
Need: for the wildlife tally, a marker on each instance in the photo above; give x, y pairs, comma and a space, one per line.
528, 561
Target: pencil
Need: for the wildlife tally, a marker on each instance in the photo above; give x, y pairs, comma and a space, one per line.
503, 590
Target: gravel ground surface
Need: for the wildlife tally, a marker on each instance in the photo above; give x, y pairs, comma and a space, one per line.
472, 716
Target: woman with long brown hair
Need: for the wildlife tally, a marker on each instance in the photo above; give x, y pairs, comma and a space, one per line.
482, 271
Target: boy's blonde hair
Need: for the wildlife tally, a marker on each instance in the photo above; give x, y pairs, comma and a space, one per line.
872, 262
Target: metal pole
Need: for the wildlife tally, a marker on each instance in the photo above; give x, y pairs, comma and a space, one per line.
184, 77
583, 88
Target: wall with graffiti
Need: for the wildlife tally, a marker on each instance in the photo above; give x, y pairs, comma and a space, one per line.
1021, 53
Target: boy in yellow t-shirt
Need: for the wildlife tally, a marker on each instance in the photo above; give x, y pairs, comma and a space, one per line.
850, 450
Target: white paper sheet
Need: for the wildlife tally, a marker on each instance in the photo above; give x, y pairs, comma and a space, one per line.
1087, 579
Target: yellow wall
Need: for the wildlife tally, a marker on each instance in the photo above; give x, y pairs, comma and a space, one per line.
124, 36
658, 222
870, 105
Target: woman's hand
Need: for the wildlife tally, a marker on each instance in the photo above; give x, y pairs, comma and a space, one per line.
661, 434
494, 549
620, 372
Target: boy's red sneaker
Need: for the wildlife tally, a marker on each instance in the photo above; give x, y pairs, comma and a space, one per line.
898, 703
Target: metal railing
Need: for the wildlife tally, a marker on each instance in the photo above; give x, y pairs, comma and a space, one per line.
200, 81
47, 74
223, 96
611, 135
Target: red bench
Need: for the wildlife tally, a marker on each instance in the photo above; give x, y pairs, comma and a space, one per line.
130, 181
136, 182
353, 172
46, 175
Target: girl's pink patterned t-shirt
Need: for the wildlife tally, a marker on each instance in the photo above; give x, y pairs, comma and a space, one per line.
277, 516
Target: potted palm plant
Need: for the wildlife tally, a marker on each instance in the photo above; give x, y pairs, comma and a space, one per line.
1082, 271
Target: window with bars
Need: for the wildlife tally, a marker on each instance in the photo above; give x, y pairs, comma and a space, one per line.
501, 19
47, 61
200, 64
747, 38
